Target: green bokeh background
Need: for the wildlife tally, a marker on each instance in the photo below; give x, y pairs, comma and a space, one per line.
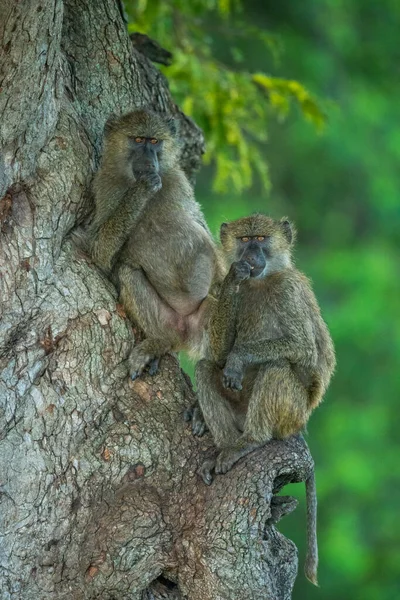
341, 188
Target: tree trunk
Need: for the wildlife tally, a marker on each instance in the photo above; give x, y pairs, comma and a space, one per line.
100, 496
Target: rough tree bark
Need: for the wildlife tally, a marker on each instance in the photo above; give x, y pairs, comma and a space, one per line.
98, 485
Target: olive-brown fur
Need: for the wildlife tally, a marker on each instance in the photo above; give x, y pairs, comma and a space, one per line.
270, 357
150, 237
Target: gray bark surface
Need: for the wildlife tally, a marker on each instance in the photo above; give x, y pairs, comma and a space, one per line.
99, 492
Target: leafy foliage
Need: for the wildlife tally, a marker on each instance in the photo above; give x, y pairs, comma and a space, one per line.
232, 105
341, 190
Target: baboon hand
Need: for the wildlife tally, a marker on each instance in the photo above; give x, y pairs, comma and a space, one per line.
152, 180
232, 375
240, 271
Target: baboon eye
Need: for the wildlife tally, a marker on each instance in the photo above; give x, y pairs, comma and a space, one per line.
153, 141
139, 140
245, 239
261, 238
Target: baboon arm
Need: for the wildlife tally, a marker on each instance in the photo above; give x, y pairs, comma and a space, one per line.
297, 340
109, 193
260, 351
114, 232
223, 320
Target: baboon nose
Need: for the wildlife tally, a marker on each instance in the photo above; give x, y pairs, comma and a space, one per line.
149, 167
256, 263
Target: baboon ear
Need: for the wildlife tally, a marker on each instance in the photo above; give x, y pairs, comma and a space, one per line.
287, 228
223, 230
173, 125
111, 123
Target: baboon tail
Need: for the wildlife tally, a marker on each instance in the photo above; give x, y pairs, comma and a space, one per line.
311, 564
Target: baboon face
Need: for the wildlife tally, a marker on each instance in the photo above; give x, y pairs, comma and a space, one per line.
255, 251
258, 240
145, 154
142, 142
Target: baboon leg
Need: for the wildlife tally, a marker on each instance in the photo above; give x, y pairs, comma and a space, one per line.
257, 429
159, 322
277, 409
278, 406
217, 412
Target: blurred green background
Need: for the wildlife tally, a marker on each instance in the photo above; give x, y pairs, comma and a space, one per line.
340, 184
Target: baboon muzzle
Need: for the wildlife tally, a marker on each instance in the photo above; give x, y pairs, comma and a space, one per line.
254, 256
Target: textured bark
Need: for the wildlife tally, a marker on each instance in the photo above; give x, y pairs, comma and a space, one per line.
99, 491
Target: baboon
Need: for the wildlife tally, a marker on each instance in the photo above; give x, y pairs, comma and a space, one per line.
150, 237
270, 356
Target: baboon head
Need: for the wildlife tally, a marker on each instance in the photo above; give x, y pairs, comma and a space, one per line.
264, 243
140, 142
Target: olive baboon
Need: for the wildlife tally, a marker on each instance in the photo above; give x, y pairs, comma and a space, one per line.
149, 235
270, 357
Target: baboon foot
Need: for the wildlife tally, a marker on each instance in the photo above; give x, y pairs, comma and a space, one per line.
138, 361
229, 456
225, 461
206, 470
153, 366
194, 416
